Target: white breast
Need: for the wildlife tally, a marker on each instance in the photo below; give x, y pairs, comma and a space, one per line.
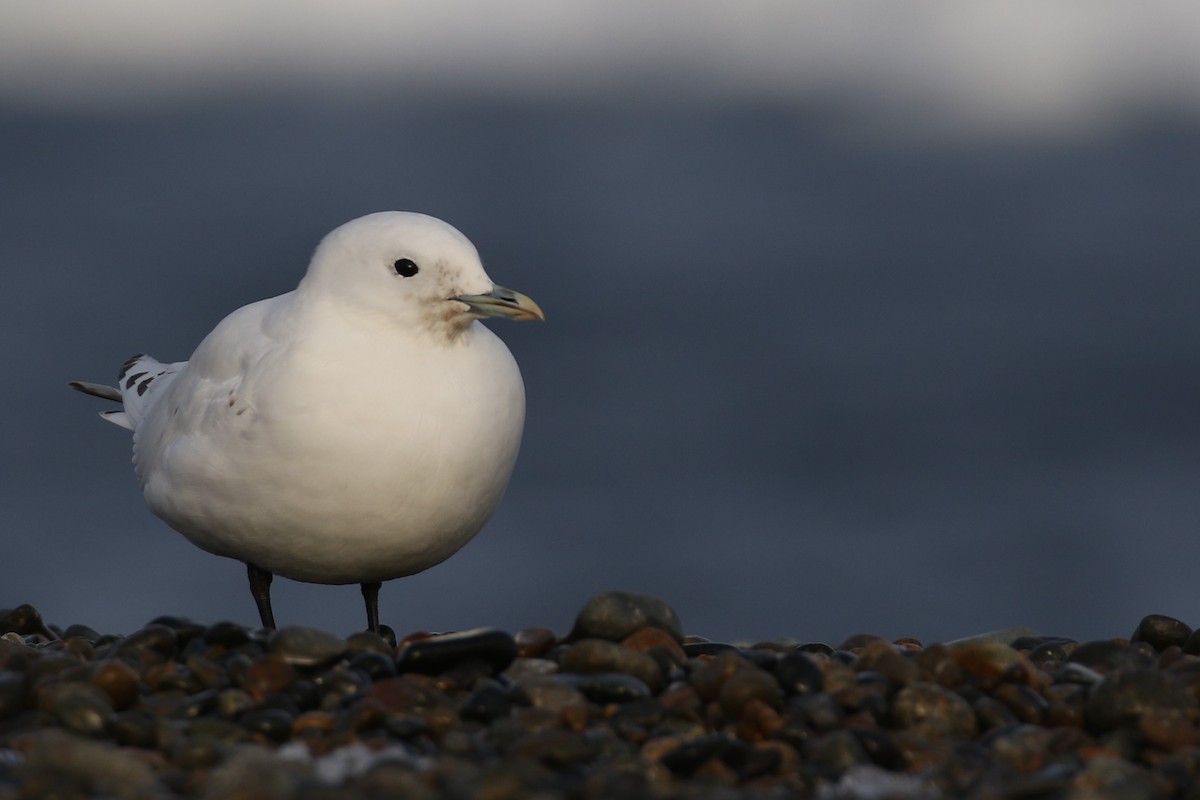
337, 457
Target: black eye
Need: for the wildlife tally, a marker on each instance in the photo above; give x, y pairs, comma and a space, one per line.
405, 268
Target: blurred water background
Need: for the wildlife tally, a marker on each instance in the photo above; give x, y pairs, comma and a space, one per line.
861, 317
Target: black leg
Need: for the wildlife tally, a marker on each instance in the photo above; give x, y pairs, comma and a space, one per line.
260, 587
371, 596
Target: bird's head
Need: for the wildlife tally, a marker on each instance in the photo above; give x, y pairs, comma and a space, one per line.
413, 269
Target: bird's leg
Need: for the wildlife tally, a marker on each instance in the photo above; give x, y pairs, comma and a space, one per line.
260, 587
370, 592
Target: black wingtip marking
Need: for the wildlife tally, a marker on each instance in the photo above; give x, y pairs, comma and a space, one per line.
144, 385
129, 362
134, 378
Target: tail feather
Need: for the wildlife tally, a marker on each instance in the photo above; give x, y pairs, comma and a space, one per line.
97, 390
119, 418
136, 377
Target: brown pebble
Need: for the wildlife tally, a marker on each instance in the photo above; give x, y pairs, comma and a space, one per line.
858, 641
889, 661
991, 662
268, 675
938, 666
758, 721
746, 685
534, 642
590, 656
1167, 729
708, 678
312, 723
934, 711
649, 638
116, 679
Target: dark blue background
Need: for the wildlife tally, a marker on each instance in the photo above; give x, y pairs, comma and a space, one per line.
799, 377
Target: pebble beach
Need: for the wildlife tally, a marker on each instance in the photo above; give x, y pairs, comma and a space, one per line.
624, 705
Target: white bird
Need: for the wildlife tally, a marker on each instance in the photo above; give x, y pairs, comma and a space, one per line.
360, 428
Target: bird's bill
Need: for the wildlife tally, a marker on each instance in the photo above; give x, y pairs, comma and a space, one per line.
501, 302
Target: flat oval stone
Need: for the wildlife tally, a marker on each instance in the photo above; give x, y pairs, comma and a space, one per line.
307, 647
607, 687
82, 713
616, 615
492, 646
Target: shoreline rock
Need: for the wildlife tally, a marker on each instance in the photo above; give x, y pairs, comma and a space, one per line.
624, 705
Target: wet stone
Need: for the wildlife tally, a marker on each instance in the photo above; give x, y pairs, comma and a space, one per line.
1025, 703
491, 646
116, 679
185, 629
1167, 729
368, 642
133, 729
82, 713
656, 642
555, 747
694, 649
25, 621
374, 665
13, 692
690, 755
81, 632
1109, 656
817, 710
597, 655
836, 751
608, 687
306, 647
745, 686
1125, 696
268, 675
196, 752
709, 676
889, 661
233, 703
196, 705
616, 615
534, 642
1161, 632
159, 639
226, 634
934, 711
880, 747
798, 673
273, 723
489, 702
